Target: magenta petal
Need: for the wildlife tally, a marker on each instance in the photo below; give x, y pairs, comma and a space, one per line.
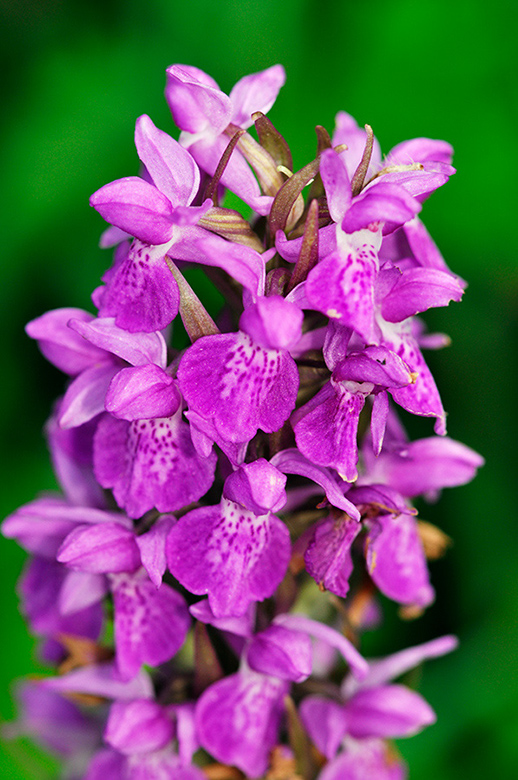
135, 206
333, 638
142, 295
427, 465
342, 287
379, 416
325, 722
336, 182
102, 680
81, 589
196, 103
347, 132
173, 170
273, 323
138, 726
107, 763
396, 560
257, 486
423, 246
150, 623
380, 203
238, 720
230, 554
281, 653
420, 150
242, 625
326, 427
53, 720
365, 759
237, 176
385, 669
142, 392
71, 452
152, 548
422, 397
242, 263
40, 526
102, 548
85, 396
135, 348
291, 461
388, 711
256, 92
417, 290
204, 435
150, 463
62, 347
328, 555
39, 591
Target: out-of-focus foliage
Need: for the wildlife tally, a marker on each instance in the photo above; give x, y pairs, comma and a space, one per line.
75, 75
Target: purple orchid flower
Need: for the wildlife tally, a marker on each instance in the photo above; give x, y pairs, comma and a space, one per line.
370, 711
203, 112
140, 291
236, 553
148, 742
326, 427
238, 718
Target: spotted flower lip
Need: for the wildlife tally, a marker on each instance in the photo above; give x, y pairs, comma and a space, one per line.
229, 553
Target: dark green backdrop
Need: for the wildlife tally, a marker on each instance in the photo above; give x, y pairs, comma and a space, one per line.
75, 77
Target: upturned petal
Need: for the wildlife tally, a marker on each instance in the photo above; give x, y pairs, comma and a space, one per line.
417, 290
291, 461
173, 170
388, 711
85, 396
336, 182
256, 92
396, 560
347, 132
135, 206
196, 102
102, 680
137, 349
428, 465
63, 347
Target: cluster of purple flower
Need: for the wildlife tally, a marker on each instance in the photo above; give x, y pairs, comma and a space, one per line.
263, 467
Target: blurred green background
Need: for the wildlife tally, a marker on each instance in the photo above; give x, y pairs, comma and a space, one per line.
75, 77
